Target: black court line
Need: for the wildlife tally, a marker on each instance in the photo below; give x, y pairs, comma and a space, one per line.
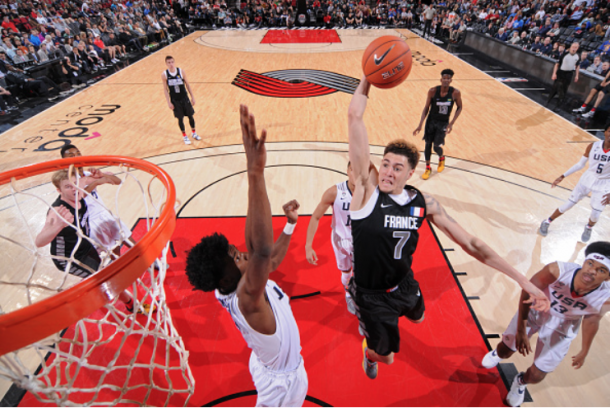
474, 298
253, 392
461, 274
492, 336
448, 249
306, 295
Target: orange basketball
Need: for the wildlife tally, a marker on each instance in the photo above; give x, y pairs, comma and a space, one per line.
387, 61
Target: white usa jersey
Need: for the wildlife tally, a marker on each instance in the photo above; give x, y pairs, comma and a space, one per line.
342, 223
281, 351
597, 176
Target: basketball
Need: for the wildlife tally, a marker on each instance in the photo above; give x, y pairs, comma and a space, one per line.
387, 61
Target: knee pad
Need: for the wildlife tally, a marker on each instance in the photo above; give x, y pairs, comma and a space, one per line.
595, 214
566, 206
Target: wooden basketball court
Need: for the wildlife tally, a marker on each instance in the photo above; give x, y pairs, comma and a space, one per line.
503, 153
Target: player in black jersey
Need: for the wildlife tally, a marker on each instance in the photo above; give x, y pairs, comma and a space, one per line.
386, 215
438, 110
175, 86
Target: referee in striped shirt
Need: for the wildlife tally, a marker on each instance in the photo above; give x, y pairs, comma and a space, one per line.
562, 75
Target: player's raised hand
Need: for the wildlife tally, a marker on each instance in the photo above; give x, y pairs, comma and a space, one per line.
290, 209
65, 218
557, 181
311, 256
537, 299
256, 153
579, 360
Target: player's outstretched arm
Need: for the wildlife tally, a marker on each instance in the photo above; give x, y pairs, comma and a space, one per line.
581, 164
328, 198
425, 111
259, 231
359, 150
280, 248
53, 225
590, 326
478, 249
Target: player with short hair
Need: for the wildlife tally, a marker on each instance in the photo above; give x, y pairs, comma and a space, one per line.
260, 309
439, 105
339, 197
595, 181
578, 294
386, 215
175, 87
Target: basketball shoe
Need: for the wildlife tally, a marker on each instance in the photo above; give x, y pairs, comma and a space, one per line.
586, 234
427, 173
491, 359
589, 114
544, 228
441, 164
187, 141
370, 368
580, 110
195, 136
516, 395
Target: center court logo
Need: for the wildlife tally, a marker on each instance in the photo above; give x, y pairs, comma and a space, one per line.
295, 83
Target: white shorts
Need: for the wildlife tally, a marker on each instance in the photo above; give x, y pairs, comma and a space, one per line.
552, 345
581, 191
343, 252
287, 389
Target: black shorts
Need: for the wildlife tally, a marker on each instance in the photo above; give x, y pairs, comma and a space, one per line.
183, 108
92, 260
378, 313
435, 132
605, 89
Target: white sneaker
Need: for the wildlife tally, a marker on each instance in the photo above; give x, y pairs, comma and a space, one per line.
579, 110
589, 114
187, 141
544, 228
516, 395
586, 234
491, 359
195, 136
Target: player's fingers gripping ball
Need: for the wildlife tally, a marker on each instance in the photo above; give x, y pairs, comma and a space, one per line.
387, 61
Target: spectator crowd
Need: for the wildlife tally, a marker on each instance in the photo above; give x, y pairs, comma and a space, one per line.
52, 47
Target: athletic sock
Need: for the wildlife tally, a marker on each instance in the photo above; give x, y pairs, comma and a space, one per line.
520, 379
442, 158
588, 226
592, 110
584, 106
428, 167
183, 134
193, 131
549, 220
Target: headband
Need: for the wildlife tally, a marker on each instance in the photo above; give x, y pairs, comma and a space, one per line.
604, 260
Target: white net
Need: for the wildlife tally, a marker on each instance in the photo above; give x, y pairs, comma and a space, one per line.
126, 353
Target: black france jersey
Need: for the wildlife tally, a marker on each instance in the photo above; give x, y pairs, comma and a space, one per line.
67, 239
441, 106
385, 240
175, 84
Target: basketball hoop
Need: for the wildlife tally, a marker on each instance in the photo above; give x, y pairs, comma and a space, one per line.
89, 308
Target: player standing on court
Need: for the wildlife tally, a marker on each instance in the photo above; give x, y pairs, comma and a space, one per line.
439, 105
386, 214
595, 180
259, 308
578, 295
175, 86
340, 197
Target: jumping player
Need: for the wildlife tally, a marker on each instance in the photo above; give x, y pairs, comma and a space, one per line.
386, 215
340, 197
439, 105
595, 180
175, 86
579, 294
260, 309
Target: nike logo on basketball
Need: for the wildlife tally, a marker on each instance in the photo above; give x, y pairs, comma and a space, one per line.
380, 59
386, 206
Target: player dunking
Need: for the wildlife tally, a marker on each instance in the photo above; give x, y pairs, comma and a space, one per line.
595, 180
386, 215
259, 308
578, 295
175, 86
439, 105
340, 197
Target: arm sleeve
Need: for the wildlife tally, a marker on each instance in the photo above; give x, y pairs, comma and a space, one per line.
577, 166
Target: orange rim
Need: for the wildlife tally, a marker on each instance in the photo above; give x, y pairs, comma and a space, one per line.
46, 317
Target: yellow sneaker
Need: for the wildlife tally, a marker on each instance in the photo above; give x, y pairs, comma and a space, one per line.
370, 368
441, 165
426, 174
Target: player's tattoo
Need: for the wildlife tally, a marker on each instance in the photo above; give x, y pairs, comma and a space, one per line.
434, 207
